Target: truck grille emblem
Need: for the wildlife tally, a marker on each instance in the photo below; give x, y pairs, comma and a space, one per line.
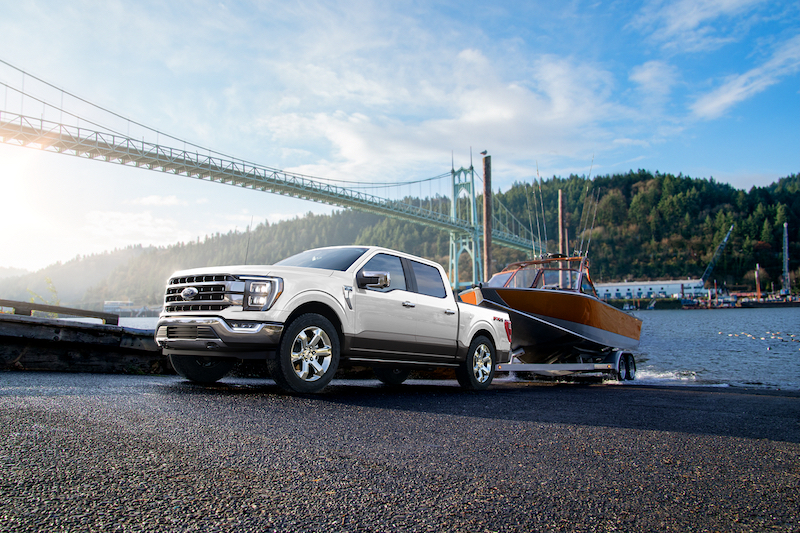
189, 293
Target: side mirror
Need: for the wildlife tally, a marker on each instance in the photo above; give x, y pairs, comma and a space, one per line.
373, 280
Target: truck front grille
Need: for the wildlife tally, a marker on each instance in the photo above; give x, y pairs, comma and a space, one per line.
215, 292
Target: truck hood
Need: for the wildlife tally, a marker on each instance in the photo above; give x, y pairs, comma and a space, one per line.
256, 270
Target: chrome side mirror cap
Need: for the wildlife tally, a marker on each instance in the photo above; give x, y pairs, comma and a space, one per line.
373, 280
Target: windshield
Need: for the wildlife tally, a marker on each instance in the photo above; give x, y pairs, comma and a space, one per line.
325, 258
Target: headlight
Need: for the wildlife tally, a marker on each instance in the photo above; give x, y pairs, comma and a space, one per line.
259, 295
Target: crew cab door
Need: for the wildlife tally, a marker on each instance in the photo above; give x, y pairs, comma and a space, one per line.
437, 312
385, 318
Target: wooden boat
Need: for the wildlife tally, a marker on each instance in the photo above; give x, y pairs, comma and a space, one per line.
556, 315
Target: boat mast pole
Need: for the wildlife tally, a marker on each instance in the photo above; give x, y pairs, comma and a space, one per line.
562, 237
487, 216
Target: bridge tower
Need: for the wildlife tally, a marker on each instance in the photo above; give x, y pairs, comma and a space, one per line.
463, 181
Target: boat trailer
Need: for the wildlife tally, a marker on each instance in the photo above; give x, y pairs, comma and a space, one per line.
620, 365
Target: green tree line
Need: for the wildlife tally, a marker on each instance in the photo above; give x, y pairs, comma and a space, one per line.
637, 226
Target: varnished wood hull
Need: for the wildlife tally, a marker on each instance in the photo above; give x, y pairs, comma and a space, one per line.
555, 326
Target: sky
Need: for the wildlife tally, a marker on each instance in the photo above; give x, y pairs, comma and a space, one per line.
381, 92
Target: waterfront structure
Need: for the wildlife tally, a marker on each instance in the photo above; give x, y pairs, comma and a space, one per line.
672, 288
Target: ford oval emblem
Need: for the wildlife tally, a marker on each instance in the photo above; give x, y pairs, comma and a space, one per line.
189, 293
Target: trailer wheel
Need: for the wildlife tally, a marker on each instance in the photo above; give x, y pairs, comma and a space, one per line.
391, 375
201, 369
620, 373
630, 363
477, 371
308, 355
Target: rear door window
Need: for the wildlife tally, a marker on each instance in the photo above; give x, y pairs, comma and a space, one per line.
429, 280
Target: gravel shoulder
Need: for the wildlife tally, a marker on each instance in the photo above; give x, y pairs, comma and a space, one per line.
92, 452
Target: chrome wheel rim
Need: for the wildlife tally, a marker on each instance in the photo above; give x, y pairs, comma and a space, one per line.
311, 353
482, 363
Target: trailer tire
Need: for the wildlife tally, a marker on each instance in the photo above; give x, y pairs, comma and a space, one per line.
477, 371
630, 363
620, 373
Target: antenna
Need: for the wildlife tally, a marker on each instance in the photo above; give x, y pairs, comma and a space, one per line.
247, 249
596, 203
530, 222
541, 201
584, 213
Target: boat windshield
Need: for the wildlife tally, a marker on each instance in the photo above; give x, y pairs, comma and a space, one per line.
499, 280
536, 277
524, 277
553, 278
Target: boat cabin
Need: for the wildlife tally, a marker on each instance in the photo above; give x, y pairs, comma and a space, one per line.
559, 273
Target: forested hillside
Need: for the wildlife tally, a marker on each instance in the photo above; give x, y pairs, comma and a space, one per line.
646, 226
652, 226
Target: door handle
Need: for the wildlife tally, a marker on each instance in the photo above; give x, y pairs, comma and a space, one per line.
449, 312
408, 304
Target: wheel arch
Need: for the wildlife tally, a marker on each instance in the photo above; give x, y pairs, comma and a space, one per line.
480, 331
319, 308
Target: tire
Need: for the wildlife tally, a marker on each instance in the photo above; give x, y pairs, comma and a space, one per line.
477, 371
392, 375
308, 355
202, 369
630, 363
620, 373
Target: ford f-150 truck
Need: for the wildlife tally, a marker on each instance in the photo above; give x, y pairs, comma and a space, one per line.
304, 315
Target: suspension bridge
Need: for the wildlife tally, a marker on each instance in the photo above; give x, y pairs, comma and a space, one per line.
461, 220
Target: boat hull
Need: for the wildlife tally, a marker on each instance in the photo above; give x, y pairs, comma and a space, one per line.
552, 326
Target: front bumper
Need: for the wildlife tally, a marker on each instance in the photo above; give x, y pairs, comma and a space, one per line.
213, 336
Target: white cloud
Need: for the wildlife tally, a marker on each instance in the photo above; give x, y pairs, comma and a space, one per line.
655, 79
134, 228
156, 200
692, 25
785, 62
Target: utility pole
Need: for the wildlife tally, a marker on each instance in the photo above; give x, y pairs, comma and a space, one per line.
487, 216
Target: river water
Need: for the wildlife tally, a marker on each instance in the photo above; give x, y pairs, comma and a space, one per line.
723, 347
720, 347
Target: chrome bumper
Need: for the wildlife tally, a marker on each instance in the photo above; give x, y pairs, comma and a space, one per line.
214, 336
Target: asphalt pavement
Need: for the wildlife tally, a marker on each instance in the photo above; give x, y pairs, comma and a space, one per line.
94, 452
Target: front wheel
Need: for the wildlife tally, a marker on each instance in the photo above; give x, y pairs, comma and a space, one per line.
477, 371
308, 355
202, 369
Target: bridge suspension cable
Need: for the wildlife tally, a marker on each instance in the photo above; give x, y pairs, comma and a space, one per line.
108, 143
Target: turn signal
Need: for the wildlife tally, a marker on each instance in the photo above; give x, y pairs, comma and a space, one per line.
508, 329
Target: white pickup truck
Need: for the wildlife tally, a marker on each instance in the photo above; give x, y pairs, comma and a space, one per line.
306, 314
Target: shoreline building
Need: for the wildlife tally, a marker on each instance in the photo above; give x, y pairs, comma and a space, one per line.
673, 288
